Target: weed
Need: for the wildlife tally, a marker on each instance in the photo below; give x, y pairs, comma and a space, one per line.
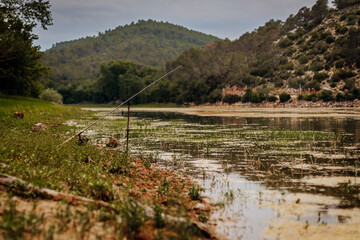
100, 190
229, 195
163, 189
194, 192
158, 219
203, 217
15, 223
134, 215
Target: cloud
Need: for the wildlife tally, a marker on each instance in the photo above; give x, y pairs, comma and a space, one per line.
226, 18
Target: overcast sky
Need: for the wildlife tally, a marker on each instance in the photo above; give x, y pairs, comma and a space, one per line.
223, 18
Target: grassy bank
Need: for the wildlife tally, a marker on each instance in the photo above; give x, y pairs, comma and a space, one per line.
98, 173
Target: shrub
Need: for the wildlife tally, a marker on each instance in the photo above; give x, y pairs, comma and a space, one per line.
134, 215
285, 43
215, 96
311, 97
329, 39
326, 96
300, 96
232, 98
341, 30
284, 97
272, 98
316, 66
340, 97
320, 76
340, 63
51, 95
158, 219
303, 59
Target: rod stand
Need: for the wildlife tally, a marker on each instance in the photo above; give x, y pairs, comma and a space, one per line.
128, 129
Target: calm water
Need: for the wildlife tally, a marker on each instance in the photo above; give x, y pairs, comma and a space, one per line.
246, 165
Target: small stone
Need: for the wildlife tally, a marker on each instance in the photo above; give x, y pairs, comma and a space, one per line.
18, 115
39, 127
113, 142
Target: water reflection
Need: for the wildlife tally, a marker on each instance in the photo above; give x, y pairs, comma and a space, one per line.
267, 163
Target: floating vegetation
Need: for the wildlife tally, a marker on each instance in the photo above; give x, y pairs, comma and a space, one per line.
259, 161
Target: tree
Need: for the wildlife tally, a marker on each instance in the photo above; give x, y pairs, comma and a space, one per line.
320, 10
20, 67
341, 4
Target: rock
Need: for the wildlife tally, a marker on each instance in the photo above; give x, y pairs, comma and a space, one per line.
18, 115
113, 142
39, 127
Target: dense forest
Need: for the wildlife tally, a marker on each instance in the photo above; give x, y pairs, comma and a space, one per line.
316, 50
148, 43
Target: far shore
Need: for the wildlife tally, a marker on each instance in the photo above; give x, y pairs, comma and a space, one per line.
249, 111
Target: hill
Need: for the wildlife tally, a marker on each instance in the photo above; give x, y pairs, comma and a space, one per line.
148, 43
315, 50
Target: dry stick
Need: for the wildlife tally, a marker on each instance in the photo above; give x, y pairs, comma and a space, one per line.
9, 181
129, 99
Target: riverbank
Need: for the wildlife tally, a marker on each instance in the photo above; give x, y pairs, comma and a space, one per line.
250, 111
124, 196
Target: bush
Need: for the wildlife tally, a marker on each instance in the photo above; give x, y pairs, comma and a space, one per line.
340, 63
320, 76
303, 59
51, 95
340, 97
300, 97
284, 97
215, 96
232, 98
341, 30
316, 66
284, 43
272, 98
329, 39
326, 96
311, 97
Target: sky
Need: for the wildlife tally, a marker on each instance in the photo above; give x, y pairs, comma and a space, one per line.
221, 18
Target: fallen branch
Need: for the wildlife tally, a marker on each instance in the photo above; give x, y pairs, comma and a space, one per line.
45, 193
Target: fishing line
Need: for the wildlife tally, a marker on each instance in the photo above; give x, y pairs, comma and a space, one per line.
126, 101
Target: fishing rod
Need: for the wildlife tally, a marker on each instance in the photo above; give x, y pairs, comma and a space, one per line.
126, 101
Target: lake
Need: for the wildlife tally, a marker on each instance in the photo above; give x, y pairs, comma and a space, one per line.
273, 175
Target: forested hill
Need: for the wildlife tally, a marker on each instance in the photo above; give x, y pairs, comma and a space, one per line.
318, 49
148, 43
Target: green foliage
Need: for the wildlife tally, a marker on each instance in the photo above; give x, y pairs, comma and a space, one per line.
272, 98
232, 98
326, 96
134, 215
148, 43
340, 4
20, 66
121, 79
14, 223
158, 219
303, 59
51, 95
284, 97
194, 192
320, 76
215, 96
